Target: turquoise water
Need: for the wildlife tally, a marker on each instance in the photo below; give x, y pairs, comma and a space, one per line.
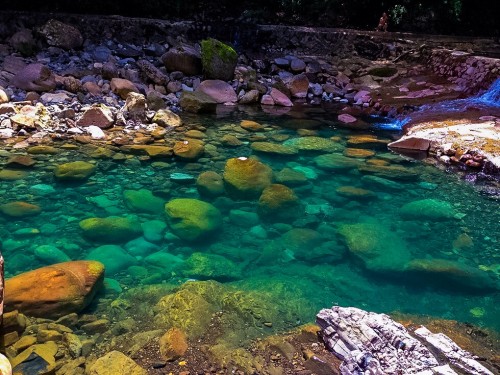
357, 247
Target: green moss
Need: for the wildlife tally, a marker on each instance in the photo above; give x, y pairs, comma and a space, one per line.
211, 47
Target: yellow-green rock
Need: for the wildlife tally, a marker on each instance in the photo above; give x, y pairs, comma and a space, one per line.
112, 229
74, 171
279, 202
116, 363
12, 175
191, 219
246, 177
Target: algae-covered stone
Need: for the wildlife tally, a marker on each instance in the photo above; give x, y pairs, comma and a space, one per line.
354, 192
116, 363
143, 200
189, 149
191, 219
12, 174
376, 246
428, 209
452, 274
392, 172
336, 162
112, 229
20, 209
318, 144
37, 359
51, 254
74, 171
210, 267
210, 184
273, 148
114, 258
218, 60
246, 177
279, 202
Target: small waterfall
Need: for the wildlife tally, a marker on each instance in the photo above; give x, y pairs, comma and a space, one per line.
488, 99
492, 96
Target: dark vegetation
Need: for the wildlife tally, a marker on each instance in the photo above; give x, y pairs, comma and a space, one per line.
461, 17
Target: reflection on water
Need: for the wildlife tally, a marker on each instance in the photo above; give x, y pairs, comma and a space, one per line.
368, 228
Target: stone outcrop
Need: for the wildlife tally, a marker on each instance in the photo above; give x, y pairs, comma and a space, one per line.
370, 343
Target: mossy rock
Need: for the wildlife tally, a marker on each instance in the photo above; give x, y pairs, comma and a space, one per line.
74, 171
336, 162
20, 209
428, 209
246, 177
452, 274
218, 60
112, 229
378, 248
116, 363
279, 202
210, 183
383, 71
202, 266
314, 144
197, 102
192, 219
143, 200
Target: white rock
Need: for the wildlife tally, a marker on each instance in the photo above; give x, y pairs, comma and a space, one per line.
6, 133
95, 132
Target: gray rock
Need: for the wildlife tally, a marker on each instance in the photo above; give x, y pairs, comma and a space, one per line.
185, 59
152, 72
34, 77
61, 35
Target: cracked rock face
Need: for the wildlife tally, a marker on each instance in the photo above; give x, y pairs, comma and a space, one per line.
370, 343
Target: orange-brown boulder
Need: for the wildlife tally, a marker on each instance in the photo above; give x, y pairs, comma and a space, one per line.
56, 290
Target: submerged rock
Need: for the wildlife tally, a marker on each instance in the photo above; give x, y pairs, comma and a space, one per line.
173, 344
20, 209
192, 219
202, 266
56, 290
143, 200
114, 258
279, 202
112, 229
246, 177
74, 171
428, 209
377, 247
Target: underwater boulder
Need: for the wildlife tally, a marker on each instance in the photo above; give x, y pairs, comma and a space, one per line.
114, 258
191, 219
74, 171
334, 162
428, 209
173, 344
189, 149
378, 248
314, 144
56, 290
210, 183
452, 274
143, 200
50, 254
279, 202
111, 229
201, 266
246, 177
19, 209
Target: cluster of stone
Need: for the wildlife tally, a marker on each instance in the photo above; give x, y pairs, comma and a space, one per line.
373, 343
471, 73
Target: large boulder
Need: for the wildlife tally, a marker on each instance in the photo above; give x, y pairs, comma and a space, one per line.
61, 35
298, 85
279, 202
218, 60
74, 171
34, 77
197, 102
116, 363
192, 219
112, 229
56, 290
122, 87
189, 149
378, 248
185, 59
166, 118
219, 91
246, 177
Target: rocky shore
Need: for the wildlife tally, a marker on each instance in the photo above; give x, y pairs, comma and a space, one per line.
64, 93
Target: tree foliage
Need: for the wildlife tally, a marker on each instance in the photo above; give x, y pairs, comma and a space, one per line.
473, 17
